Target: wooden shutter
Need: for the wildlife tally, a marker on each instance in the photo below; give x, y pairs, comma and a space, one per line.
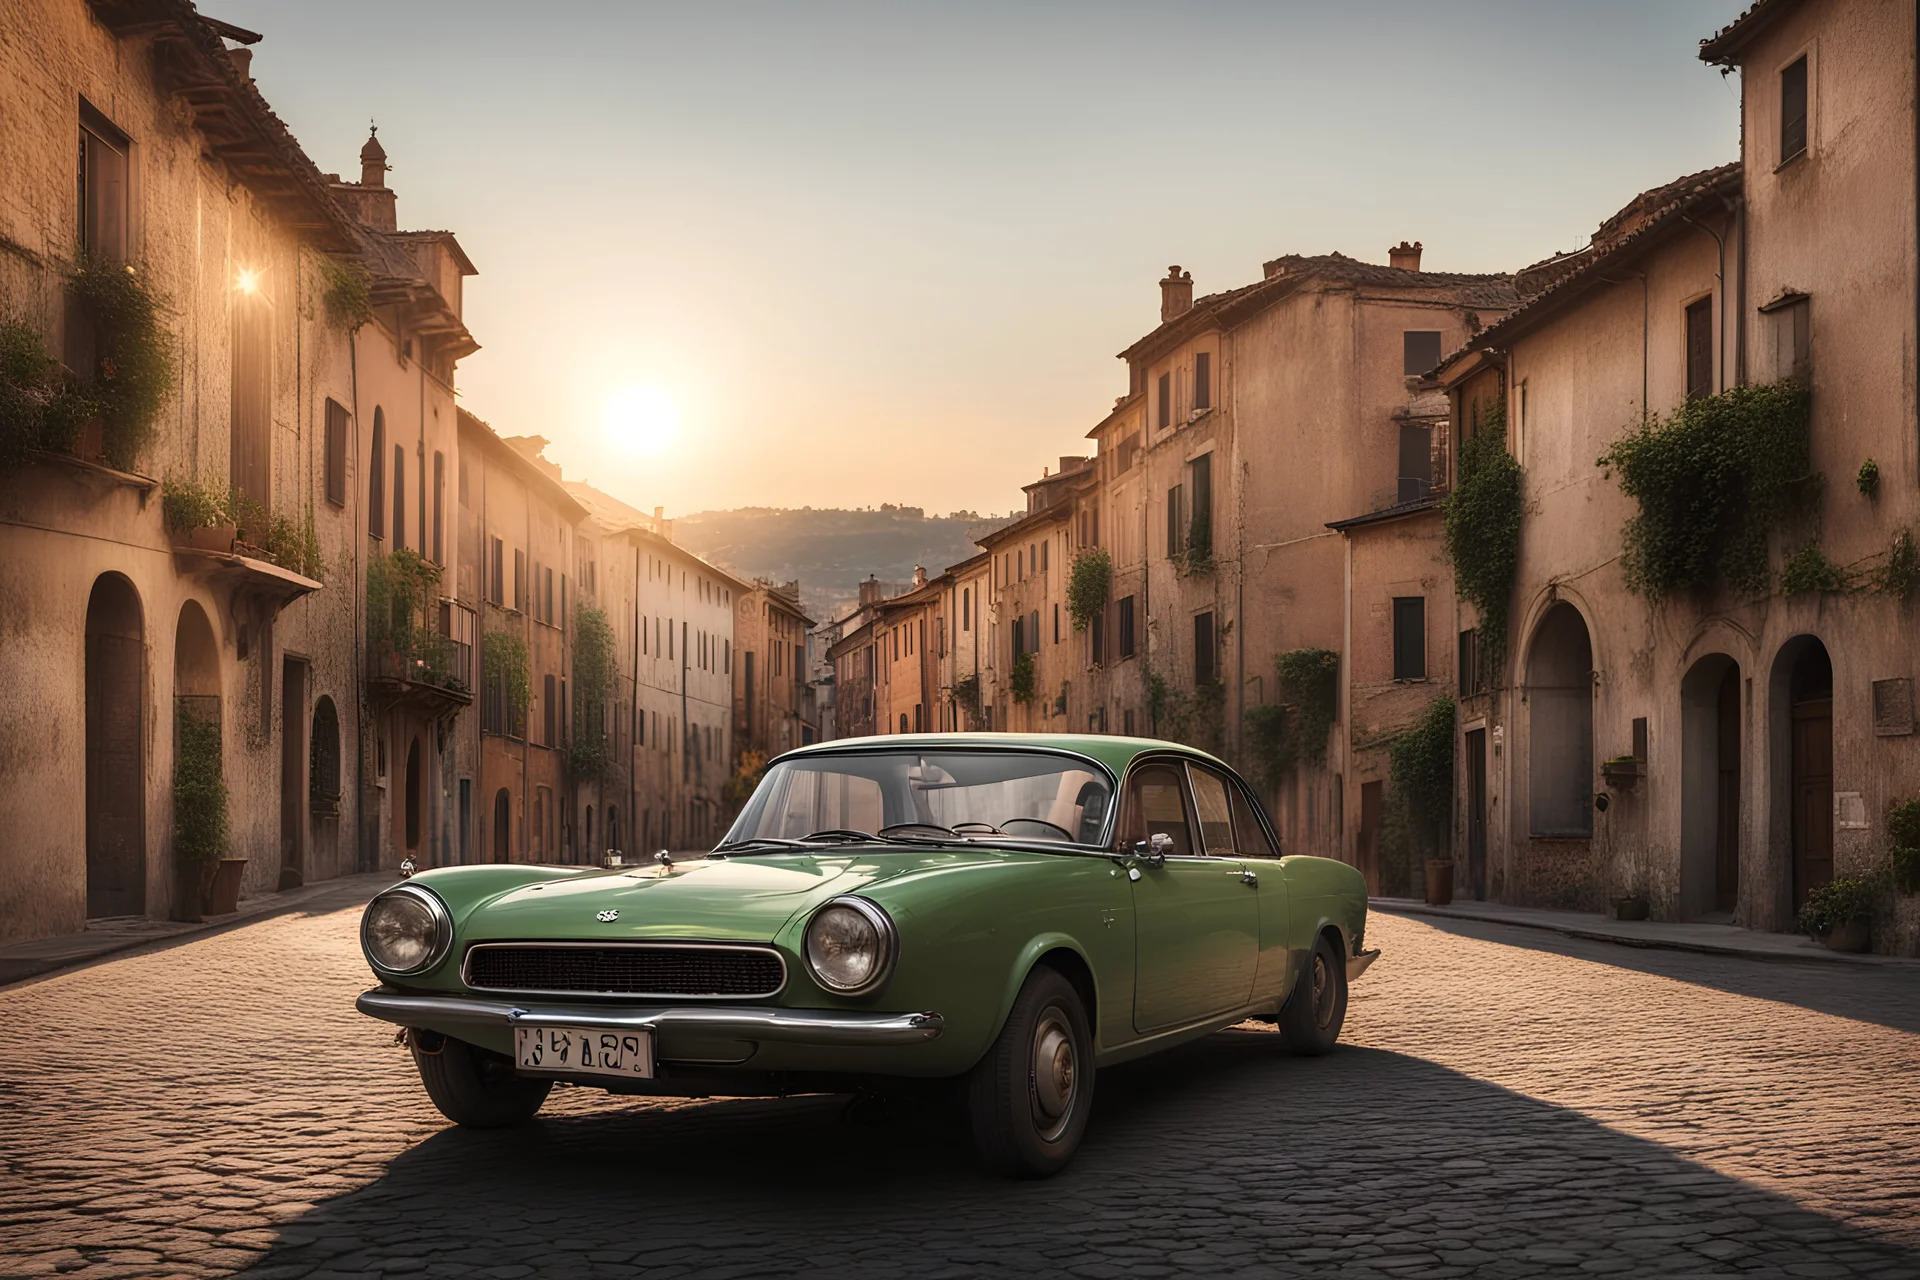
1203, 380
1793, 109
336, 453
1409, 638
1700, 349
377, 477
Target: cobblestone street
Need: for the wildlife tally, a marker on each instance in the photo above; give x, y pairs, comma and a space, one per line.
1508, 1104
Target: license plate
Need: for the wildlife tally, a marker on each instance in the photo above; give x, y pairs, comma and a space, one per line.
584, 1051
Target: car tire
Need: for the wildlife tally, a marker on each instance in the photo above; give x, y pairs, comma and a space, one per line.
1317, 1008
473, 1088
1028, 1099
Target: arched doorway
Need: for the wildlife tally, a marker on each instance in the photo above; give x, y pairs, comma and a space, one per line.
323, 760
1710, 787
198, 812
1560, 725
1810, 765
502, 826
116, 658
412, 800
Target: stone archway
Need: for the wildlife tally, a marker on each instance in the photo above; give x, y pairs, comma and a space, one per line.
1560, 725
1710, 772
116, 782
1801, 737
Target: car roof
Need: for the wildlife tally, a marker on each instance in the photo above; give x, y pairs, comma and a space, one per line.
1113, 751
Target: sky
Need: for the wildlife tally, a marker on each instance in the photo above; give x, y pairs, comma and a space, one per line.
838, 254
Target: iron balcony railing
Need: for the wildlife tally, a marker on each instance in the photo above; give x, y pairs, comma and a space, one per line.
424, 660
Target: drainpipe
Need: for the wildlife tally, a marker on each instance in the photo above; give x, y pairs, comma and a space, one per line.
359, 633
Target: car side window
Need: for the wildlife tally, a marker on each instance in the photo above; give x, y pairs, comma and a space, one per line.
1249, 833
1156, 805
1216, 818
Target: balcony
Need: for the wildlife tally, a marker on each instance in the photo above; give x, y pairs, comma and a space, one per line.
429, 670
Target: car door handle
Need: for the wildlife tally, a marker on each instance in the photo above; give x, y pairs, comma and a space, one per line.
1246, 876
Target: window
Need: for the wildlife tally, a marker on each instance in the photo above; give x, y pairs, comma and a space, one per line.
1156, 805
1056, 624
966, 609
103, 186
1250, 836
251, 431
1409, 637
399, 496
1216, 814
1166, 400
1176, 527
546, 597
497, 575
1043, 554
439, 498
1416, 463
519, 580
1472, 679
377, 477
1700, 349
1097, 639
1019, 636
1793, 109
1789, 334
549, 706
1420, 351
1203, 380
463, 482
336, 453
1200, 526
1123, 627
1204, 672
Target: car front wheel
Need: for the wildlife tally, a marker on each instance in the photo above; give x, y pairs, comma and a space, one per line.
1029, 1097
474, 1088
1315, 1011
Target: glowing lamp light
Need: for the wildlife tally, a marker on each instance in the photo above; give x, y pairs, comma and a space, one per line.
642, 420
249, 281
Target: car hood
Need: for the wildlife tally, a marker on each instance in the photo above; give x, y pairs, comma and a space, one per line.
744, 899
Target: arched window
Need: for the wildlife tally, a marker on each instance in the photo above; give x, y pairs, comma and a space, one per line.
323, 760
1560, 725
116, 772
377, 476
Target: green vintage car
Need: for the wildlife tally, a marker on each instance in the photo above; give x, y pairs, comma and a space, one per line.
1008, 913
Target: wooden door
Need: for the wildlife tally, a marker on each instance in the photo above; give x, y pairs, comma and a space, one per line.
1372, 805
1477, 813
1812, 796
116, 777
1726, 860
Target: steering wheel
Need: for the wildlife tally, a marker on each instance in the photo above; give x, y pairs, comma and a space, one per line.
1042, 822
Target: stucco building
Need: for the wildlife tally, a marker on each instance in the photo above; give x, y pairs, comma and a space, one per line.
772, 697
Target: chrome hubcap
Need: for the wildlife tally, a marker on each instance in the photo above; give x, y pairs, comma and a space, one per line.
1053, 1074
1322, 992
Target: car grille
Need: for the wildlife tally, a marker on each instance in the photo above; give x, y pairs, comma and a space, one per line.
635, 969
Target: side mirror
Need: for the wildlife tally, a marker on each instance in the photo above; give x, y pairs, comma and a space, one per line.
1153, 850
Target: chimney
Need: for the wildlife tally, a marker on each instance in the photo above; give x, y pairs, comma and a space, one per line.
1176, 294
1404, 256
242, 59
373, 160
919, 576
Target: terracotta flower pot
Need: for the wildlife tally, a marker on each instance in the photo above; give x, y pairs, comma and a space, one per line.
1854, 935
1629, 908
1439, 882
223, 896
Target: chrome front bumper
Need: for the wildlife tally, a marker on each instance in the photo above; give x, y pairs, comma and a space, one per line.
449, 1014
1358, 964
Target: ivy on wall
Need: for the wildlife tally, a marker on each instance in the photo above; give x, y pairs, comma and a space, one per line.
1087, 586
1421, 764
1482, 516
1714, 480
200, 821
134, 356
1294, 727
1022, 681
966, 696
503, 658
348, 295
590, 756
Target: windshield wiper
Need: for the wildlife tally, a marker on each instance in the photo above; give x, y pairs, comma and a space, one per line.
731, 846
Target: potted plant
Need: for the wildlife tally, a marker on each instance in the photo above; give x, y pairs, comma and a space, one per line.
1439, 882
209, 879
1840, 913
1633, 906
198, 515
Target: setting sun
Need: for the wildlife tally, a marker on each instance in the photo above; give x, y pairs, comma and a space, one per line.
642, 420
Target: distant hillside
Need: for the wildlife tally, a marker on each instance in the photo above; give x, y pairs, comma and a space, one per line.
830, 551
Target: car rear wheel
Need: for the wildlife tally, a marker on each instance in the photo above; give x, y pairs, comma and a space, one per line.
1317, 1008
474, 1088
1029, 1097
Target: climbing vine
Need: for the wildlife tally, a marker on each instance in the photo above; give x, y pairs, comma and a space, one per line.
1088, 585
1022, 681
42, 406
200, 821
1867, 480
134, 356
348, 296
966, 696
1808, 571
1269, 745
1714, 480
1308, 680
1422, 773
1899, 573
1482, 517
503, 658
590, 754
399, 602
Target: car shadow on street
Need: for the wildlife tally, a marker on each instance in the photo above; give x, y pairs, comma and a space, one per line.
1880, 994
1224, 1157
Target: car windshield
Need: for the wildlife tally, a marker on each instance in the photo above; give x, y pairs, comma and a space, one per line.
1022, 795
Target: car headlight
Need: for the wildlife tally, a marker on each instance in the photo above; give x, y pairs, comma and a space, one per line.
850, 945
406, 930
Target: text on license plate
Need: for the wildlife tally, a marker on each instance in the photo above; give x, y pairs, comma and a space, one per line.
585, 1050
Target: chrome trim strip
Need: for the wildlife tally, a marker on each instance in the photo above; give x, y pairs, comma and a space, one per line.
442, 927
1358, 963
466, 964
786, 1026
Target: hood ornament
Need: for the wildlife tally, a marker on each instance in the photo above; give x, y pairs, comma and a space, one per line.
608, 916
664, 858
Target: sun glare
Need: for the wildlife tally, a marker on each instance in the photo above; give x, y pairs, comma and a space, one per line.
642, 420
